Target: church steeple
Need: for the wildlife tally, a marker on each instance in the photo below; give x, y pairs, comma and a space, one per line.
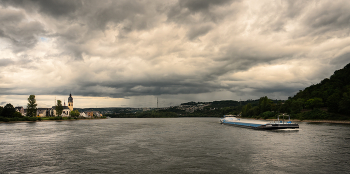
70, 102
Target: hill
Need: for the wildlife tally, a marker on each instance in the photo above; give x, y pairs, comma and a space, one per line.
333, 92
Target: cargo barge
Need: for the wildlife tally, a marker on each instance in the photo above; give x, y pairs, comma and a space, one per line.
258, 124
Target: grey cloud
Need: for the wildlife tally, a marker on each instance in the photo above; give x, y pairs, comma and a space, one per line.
274, 18
283, 89
58, 8
2, 103
78, 22
201, 5
21, 33
183, 11
176, 86
197, 31
118, 11
49, 7
6, 62
318, 20
93, 13
136, 30
329, 17
341, 60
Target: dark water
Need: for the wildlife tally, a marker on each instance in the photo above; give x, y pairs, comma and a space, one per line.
170, 145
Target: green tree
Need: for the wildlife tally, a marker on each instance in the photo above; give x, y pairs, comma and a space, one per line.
254, 111
17, 114
59, 108
74, 113
31, 106
245, 110
8, 110
267, 114
264, 104
318, 102
314, 103
278, 107
1, 108
333, 102
286, 107
296, 106
344, 104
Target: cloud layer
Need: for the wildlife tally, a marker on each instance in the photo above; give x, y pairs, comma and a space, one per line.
120, 49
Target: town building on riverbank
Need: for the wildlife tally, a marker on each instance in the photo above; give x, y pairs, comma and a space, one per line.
20, 109
51, 112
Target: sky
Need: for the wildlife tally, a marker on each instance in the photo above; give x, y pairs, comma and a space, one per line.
129, 53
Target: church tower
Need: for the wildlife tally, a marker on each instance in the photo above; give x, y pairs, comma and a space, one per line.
70, 102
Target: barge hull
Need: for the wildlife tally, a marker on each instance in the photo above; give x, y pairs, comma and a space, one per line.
281, 126
260, 126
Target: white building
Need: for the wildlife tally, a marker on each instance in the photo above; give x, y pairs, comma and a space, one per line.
83, 114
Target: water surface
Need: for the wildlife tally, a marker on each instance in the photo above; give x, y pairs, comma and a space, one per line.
170, 145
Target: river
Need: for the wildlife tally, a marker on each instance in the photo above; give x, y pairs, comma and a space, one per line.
170, 145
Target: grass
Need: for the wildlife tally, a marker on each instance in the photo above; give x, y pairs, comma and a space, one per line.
5, 119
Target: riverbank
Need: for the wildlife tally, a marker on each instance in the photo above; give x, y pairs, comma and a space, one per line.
309, 121
44, 120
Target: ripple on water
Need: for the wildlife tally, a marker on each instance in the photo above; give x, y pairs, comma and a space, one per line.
174, 145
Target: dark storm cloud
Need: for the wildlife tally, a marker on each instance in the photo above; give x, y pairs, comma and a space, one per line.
77, 22
15, 28
172, 85
285, 89
201, 5
49, 7
184, 11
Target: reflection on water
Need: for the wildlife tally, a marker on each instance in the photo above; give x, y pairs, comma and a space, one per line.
171, 145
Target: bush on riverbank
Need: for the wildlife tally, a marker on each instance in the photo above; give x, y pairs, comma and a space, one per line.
318, 114
4, 119
52, 118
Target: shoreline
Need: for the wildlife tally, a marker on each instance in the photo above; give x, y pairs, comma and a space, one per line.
309, 121
295, 120
49, 120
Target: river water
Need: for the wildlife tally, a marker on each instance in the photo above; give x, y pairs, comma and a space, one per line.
170, 145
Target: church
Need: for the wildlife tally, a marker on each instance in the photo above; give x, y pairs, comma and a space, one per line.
51, 112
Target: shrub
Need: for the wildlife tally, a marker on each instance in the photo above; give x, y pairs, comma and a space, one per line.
314, 114
267, 114
32, 119
4, 119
